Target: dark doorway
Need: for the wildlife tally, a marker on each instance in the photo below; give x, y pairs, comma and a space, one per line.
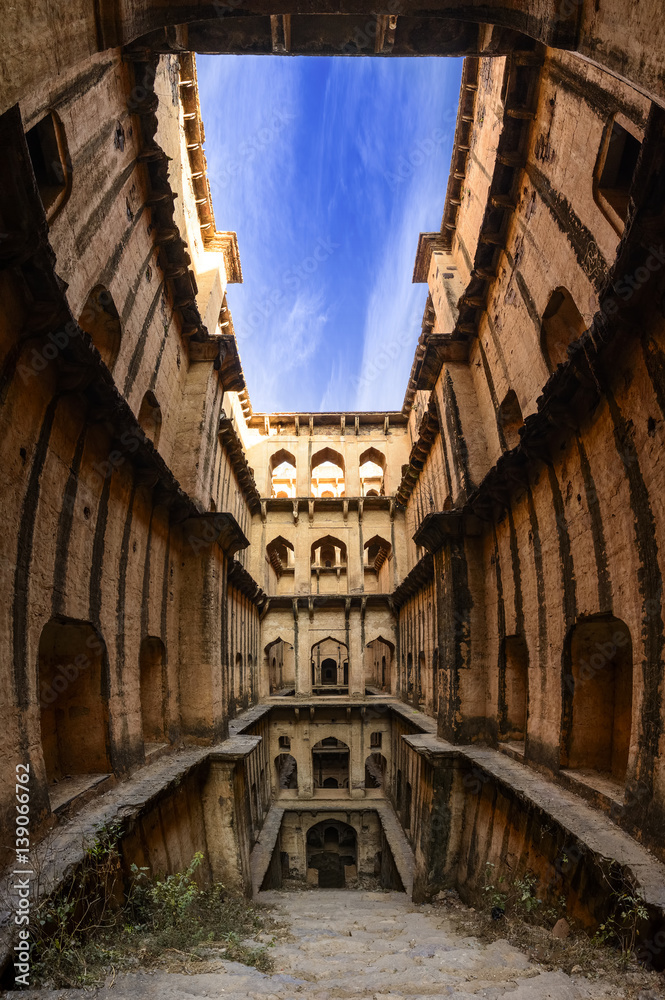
332, 852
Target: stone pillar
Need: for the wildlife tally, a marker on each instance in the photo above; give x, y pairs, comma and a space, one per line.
455, 543
352, 472
302, 464
356, 654
302, 652
305, 768
225, 802
357, 757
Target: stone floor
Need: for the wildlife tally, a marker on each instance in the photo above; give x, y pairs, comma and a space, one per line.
353, 945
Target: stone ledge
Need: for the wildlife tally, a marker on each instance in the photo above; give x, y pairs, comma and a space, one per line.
592, 829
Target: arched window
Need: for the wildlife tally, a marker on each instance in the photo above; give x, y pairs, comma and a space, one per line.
327, 474
73, 696
377, 550
372, 473
282, 469
615, 169
598, 697
150, 417
510, 420
328, 553
280, 664
47, 146
281, 555
152, 670
100, 320
562, 325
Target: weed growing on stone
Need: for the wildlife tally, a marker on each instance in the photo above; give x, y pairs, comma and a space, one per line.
99, 924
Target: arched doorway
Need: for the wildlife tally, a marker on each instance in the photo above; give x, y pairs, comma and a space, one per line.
332, 852
330, 763
329, 666
328, 671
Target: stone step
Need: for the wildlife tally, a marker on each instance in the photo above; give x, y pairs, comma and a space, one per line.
399, 845
264, 847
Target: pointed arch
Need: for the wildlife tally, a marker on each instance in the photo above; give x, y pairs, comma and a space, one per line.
331, 550
282, 474
150, 417
378, 549
100, 320
281, 554
330, 480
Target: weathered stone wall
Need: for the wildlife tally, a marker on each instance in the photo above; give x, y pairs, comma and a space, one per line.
103, 549
565, 535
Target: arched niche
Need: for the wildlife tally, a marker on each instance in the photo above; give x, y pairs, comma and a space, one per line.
375, 770
150, 417
73, 698
329, 658
332, 853
328, 553
562, 324
286, 769
281, 555
152, 672
100, 320
279, 659
598, 697
513, 688
510, 419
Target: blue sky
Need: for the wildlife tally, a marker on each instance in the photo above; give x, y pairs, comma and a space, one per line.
328, 169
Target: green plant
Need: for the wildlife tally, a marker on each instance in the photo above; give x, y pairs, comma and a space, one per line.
525, 895
96, 922
172, 896
621, 926
495, 897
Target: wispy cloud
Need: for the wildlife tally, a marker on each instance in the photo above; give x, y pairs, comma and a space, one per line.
305, 152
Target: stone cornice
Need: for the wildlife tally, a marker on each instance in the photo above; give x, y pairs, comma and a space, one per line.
224, 242
244, 472
219, 528
243, 581
427, 432
421, 574
438, 528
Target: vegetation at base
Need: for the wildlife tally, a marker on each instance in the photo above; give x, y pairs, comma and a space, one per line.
100, 923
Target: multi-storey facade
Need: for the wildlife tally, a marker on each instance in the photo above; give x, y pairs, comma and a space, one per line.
400, 644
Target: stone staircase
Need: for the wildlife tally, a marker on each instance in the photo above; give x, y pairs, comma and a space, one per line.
399, 845
264, 847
